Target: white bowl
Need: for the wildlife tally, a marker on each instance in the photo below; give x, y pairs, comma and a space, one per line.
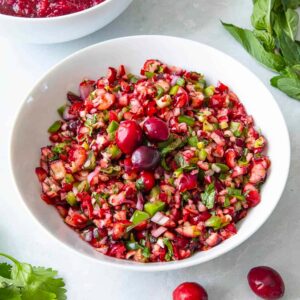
39, 110
62, 28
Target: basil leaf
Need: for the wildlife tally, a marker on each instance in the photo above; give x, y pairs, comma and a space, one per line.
287, 22
252, 45
290, 86
290, 50
261, 16
290, 3
266, 39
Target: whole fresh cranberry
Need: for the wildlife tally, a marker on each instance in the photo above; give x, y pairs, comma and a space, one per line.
156, 129
146, 181
266, 283
129, 136
190, 291
145, 158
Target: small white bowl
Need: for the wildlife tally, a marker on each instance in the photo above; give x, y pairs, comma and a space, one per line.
62, 28
39, 110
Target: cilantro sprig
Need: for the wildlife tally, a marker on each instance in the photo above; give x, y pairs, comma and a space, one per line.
22, 281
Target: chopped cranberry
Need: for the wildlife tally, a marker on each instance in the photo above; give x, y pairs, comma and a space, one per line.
129, 136
190, 291
266, 283
146, 181
187, 182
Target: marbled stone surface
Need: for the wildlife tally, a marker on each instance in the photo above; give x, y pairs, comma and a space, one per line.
276, 244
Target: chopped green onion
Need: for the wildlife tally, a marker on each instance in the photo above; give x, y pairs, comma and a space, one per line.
132, 246
202, 154
178, 172
209, 91
160, 91
59, 148
69, 178
153, 207
54, 127
186, 119
169, 254
113, 151
164, 164
235, 128
149, 75
180, 81
223, 168
174, 90
154, 193
146, 252
90, 163
113, 126
61, 110
193, 141
71, 198
215, 222
139, 216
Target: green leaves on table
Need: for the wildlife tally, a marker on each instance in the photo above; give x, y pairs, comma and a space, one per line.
254, 47
21, 281
273, 42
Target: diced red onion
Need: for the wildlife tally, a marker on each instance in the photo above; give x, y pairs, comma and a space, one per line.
160, 219
158, 231
140, 201
174, 80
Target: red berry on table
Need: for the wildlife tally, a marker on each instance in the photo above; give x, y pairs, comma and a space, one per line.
190, 291
129, 136
266, 283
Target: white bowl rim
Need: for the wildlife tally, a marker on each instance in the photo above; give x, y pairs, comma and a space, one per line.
166, 266
55, 18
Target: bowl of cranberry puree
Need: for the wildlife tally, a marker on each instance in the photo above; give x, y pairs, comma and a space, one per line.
52, 21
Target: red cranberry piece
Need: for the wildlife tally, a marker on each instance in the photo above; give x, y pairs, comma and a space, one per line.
266, 283
145, 158
190, 291
146, 181
129, 136
187, 182
156, 129
253, 198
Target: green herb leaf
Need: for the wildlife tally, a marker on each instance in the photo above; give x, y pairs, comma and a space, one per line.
10, 293
266, 39
261, 16
290, 3
290, 86
5, 270
208, 197
290, 50
177, 143
253, 46
30, 283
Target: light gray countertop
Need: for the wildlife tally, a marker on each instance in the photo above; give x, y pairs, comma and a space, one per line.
276, 244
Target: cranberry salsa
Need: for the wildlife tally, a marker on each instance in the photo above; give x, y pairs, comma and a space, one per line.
44, 8
153, 168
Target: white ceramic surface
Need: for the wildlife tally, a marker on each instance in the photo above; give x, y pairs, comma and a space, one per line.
62, 28
39, 110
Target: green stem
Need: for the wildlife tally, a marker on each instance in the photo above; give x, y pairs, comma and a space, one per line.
10, 258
